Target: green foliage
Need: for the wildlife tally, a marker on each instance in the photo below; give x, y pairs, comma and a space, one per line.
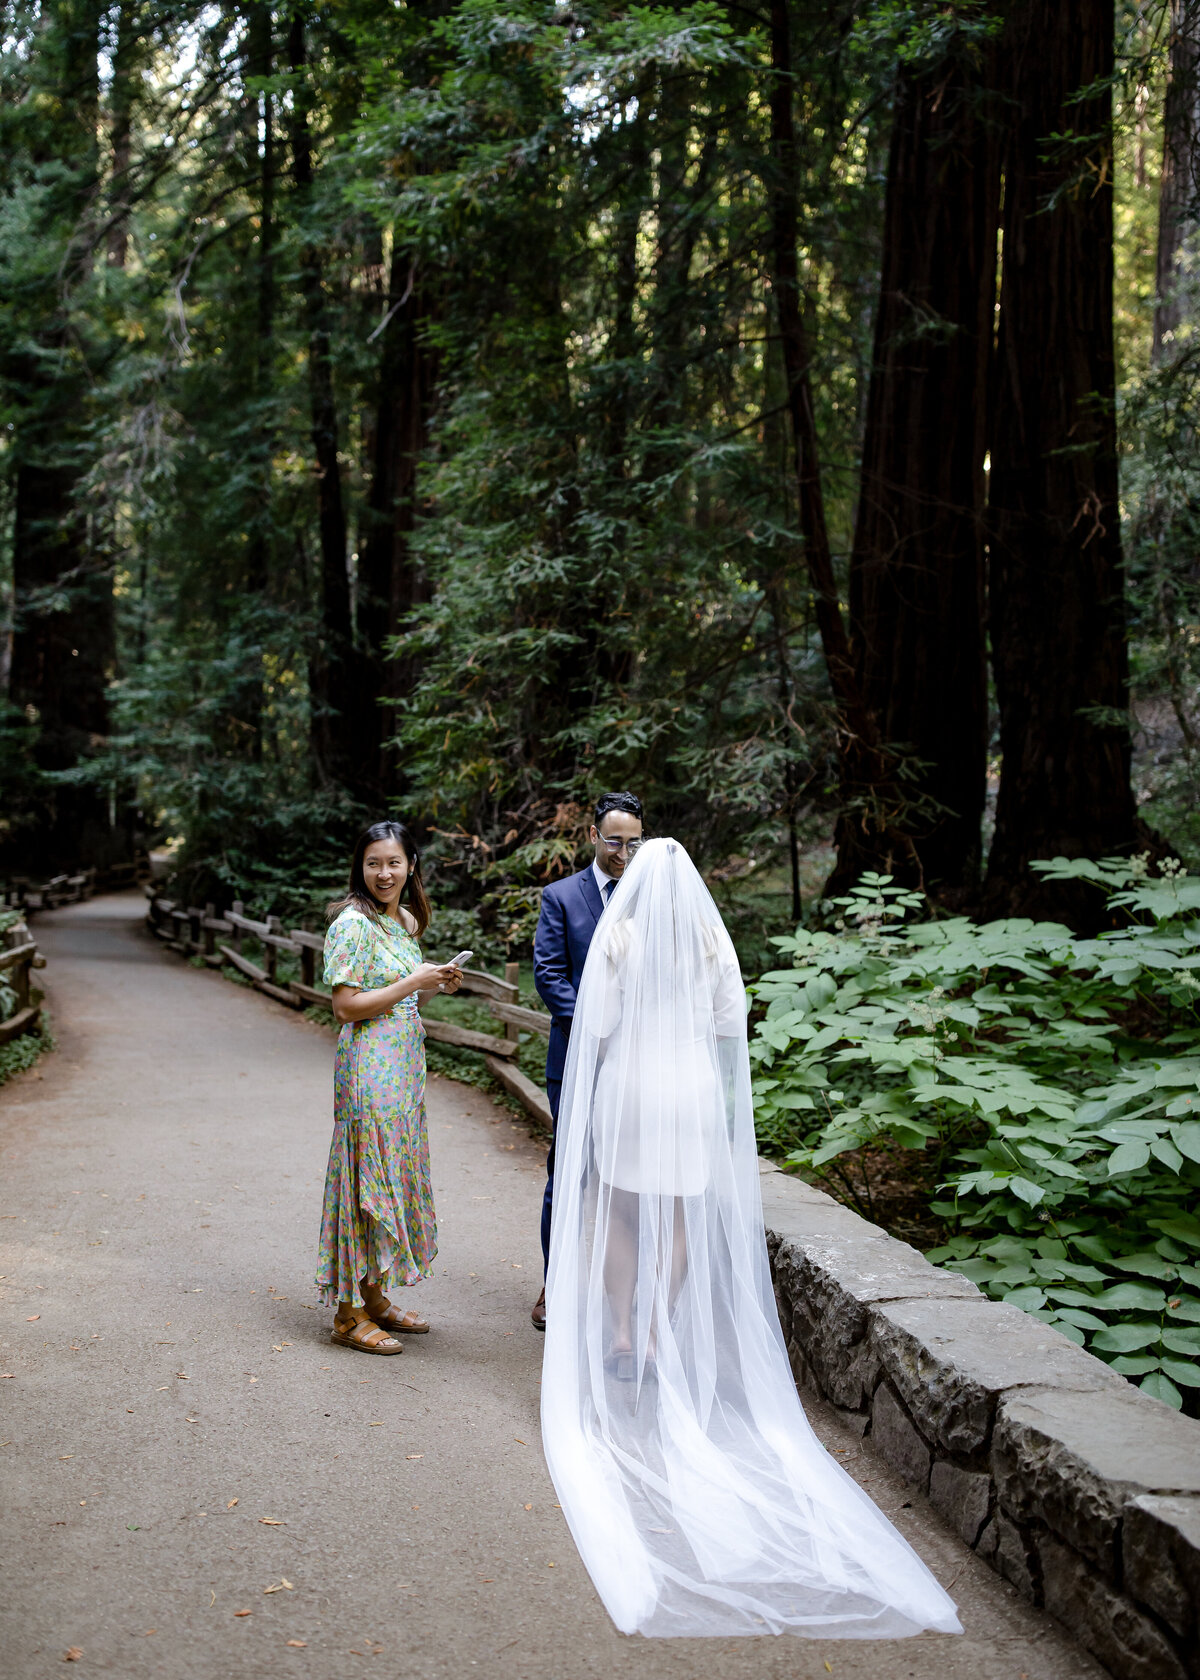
1047, 1087
23, 1052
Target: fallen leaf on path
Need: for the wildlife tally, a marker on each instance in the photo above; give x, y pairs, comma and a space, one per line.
231, 1504
63, 1457
828, 1670
529, 1507
183, 1376
282, 1585
10, 1374
243, 1612
298, 1644
414, 1455
519, 1441
378, 1425
272, 1522
32, 1319
72, 1653
191, 1420
212, 1598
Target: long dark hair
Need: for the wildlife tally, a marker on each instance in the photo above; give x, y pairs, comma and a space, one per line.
360, 897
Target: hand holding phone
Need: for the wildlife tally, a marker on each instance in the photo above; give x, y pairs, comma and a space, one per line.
460, 959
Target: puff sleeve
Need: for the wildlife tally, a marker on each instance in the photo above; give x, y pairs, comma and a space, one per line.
348, 950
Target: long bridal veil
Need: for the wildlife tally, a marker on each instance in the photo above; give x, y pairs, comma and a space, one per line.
697, 1493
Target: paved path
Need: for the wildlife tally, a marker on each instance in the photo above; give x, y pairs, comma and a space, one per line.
180, 1442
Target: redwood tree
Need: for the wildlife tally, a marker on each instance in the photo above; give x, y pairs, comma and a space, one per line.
1056, 584
917, 572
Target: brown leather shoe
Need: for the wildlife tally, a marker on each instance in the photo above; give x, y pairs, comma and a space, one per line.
538, 1315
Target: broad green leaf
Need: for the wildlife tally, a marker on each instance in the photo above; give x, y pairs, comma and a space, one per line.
1131, 1295
1182, 1341
1026, 1298
1183, 1371
1126, 1338
1025, 1188
1188, 1310
1162, 1388
1128, 1157
1144, 1264
1085, 1320
1166, 1152
1186, 1139
1135, 1364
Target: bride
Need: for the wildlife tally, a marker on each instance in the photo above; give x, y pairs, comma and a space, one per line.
697, 1493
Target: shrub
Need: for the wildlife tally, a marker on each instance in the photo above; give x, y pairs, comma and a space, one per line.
1052, 1084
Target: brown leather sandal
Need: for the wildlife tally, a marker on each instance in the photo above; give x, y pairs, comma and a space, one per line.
366, 1337
410, 1322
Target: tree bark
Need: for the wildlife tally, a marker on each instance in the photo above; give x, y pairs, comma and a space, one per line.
867, 831
1179, 193
917, 571
391, 583
334, 747
64, 632
1056, 578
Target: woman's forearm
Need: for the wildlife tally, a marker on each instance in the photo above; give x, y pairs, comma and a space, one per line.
365, 1006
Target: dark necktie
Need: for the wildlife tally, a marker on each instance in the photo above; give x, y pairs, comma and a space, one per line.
608, 890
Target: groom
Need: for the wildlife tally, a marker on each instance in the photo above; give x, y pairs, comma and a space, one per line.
570, 911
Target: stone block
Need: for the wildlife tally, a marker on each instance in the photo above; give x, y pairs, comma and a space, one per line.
1074, 1460
830, 1267
1004, 1546
1105, 1623
950, 1360
894, 1436
962, 1498
1160, 1552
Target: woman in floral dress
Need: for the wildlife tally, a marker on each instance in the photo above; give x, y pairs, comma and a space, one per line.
378, 1222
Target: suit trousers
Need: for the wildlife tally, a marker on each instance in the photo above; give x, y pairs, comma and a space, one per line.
554, 1092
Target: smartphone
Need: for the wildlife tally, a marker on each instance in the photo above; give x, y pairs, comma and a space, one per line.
462, 958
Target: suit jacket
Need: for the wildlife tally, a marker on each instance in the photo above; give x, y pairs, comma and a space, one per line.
569, 913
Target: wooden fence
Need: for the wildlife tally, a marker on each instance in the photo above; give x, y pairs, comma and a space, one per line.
219, 940
19, 955
23, 892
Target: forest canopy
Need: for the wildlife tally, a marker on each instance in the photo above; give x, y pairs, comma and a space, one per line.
456, 409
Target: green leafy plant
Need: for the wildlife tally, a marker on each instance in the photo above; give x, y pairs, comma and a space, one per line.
1048, 1087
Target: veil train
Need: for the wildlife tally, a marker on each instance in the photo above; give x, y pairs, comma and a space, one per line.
699, 1498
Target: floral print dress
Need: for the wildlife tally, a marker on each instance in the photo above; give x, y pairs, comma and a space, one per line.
377, 1221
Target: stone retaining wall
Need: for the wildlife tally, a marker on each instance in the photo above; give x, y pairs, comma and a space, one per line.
1081, 1491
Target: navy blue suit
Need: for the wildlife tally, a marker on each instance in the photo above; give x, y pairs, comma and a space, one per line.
570, 911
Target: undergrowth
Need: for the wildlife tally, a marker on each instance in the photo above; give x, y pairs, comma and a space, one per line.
1046, 1088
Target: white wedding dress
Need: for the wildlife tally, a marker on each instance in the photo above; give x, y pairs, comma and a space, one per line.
695, 1489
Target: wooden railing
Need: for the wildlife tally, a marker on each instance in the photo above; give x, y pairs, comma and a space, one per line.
18, 956
219, 940
23, 892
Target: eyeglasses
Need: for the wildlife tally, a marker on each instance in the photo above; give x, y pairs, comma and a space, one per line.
616, 845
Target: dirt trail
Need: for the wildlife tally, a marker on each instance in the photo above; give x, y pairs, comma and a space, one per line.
179, 1441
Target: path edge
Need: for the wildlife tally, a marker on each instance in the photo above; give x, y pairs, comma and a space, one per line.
1078, 1489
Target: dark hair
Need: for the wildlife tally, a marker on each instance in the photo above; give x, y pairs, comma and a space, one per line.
360, 897
627, 802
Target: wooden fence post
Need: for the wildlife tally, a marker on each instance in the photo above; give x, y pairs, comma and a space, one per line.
512, 974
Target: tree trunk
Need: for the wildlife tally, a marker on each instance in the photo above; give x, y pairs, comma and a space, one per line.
1180, 190
867, 831
917, 578
62, 582
1057, 612
334, 747
391, 582
120, 106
